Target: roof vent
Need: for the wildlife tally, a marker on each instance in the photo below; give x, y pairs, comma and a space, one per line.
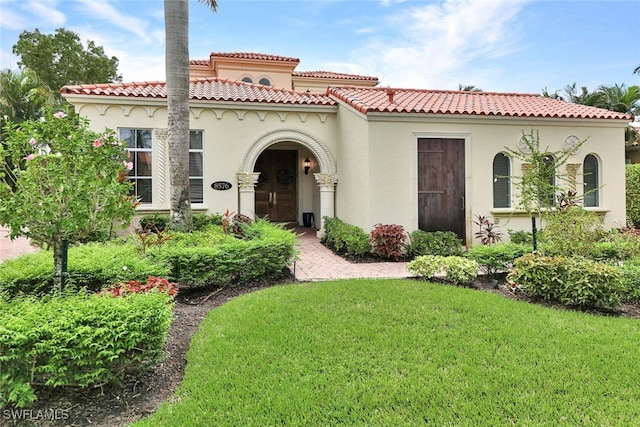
390, 93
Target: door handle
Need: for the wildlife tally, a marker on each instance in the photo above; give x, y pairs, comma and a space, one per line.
270, 198
462, 198
275, 198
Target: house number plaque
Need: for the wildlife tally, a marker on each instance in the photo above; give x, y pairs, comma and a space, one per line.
221, 185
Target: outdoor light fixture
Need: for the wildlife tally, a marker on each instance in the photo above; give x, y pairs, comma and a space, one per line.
307, 166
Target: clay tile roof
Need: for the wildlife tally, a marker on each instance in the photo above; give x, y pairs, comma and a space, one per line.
332, 75
390, 100
254, 55
199, 62
212, 88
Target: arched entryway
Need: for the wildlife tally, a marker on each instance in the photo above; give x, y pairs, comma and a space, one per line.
326, 178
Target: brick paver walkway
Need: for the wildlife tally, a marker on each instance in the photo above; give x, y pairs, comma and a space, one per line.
13, 248
319, 263
315, 262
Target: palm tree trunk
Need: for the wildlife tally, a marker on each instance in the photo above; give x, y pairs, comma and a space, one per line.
176, 15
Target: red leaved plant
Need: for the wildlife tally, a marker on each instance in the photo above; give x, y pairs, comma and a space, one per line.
135, 287
389, 241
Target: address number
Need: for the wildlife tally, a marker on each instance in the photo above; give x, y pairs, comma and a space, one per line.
221, 185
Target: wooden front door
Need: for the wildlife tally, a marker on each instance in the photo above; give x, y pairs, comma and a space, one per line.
441, 204
277, 186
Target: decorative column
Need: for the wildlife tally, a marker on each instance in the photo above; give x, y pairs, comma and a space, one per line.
327, 183
247, 191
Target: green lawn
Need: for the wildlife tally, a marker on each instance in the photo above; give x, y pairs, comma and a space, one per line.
404, 352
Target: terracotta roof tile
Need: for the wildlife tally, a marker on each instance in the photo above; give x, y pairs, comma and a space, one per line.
211, 88
332, 75
367, 100
254, 55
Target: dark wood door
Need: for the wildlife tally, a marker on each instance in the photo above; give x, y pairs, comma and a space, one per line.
277, 186
441, 186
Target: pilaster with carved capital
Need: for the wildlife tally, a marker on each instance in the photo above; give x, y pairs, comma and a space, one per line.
247, 180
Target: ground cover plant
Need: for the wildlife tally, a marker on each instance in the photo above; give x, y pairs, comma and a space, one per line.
404, 352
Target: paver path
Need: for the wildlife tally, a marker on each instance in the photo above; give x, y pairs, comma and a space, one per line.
319, 263
315, 262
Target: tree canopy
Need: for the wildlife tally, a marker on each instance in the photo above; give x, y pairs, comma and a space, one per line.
61, 59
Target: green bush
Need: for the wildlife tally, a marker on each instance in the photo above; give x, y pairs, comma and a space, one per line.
78, 340
426, 266
459, 270
91, 266
616, 246
443, 243
521, 237
632, 173
202, 220
571, 232
154, 222
630, 271
574, 281
346, 239
494, 259
263, 253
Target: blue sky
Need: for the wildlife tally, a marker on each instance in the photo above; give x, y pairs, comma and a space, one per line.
496, 45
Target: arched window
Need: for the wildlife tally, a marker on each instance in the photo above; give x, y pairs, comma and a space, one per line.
501, 181
265, 81
591, 184
247, 80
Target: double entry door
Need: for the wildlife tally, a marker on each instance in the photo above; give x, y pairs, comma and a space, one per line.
276, 190
441, 185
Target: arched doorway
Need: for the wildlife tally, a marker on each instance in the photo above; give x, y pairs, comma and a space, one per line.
248, 176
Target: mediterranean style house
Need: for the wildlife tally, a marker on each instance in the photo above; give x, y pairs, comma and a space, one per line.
267, 140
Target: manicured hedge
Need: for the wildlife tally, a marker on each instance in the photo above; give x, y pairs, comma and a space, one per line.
262, 254
574, 281
346, 239
78, 340
91, 266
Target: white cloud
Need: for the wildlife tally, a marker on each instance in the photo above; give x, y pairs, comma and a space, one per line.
46, 10
442, 44
131, 24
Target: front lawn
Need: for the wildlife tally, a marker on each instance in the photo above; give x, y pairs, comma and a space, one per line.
404, 352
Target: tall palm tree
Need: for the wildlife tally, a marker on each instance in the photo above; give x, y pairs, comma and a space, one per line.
176, 21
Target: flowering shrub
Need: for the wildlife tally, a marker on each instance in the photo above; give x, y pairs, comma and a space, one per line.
135, 287
67, 181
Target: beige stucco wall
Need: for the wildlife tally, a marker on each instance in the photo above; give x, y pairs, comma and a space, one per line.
375, 156
391, 195
229, 134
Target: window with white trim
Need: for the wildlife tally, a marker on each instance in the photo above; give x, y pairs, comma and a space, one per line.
196, 178
139, 143
591, 181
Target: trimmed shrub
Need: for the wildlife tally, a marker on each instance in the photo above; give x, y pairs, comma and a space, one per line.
572, 281
443, 243
617, 246
388, 241
459, 270
521, 237
91, 266
202, 220
265, 251
498, 258
630, 272
78, 340
571, 232
426, 266
346, 239
154, 222
632, 174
